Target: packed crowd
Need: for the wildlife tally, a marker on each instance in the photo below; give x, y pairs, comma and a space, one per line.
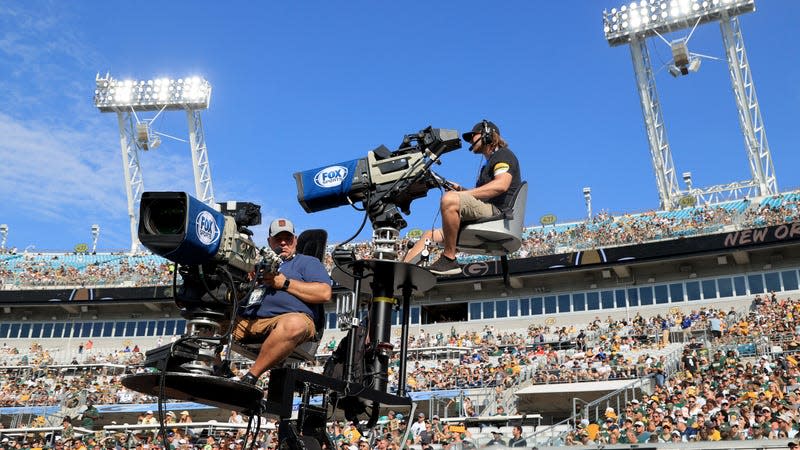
603, 230
718, 394
80, 433
600, 350
41, 270
422, 431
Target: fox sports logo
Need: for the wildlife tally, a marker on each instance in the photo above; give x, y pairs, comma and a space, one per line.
331, 176
206, 228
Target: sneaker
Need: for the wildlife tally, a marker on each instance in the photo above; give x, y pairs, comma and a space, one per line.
445, 266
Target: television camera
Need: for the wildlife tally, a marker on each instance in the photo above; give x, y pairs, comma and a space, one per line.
214, 254
386, 182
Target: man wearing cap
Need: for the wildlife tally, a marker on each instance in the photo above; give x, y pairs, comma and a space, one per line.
393, 423
149, 419
283, 310
418, 426
493, 193
497, 439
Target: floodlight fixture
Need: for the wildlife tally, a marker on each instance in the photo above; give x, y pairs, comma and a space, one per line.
647, 18
111, 95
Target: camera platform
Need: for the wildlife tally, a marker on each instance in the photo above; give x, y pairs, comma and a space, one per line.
394, 274
207, 389
284, 382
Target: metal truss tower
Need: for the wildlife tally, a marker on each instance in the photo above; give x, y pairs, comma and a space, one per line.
635, 22
126, 98
755, 138
660, 153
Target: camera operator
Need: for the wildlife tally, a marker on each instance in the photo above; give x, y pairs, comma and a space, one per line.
494, 190
282, 310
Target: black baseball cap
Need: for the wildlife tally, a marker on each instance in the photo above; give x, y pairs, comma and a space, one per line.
478, 128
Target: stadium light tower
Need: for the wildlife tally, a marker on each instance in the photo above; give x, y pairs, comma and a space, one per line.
95, 237
3, 236
587, 197
126, 98
635, 22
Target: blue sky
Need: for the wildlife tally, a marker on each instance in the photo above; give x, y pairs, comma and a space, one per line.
299, 85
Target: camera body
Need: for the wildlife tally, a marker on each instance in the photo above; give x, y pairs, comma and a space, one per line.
186, 231
384, 181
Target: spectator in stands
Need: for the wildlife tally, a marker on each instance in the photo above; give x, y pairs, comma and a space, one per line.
149, 419
67, 431
516, 438
392, 423
425, 437
715, 325
418, 426
284, 314
497, 439
494, 190
90, 415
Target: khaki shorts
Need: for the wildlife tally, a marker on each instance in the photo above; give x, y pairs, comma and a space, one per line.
252, 330
473, 209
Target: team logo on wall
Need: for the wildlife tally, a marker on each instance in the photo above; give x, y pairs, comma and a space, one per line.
476, 269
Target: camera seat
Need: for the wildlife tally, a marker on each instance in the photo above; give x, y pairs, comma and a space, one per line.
311, 243
498, 235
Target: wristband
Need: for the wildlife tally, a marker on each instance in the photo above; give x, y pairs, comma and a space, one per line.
285, 284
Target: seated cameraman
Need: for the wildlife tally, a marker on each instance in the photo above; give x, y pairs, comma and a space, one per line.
282, 308
493, 193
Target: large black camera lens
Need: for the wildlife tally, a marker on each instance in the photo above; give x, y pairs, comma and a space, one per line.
165, 216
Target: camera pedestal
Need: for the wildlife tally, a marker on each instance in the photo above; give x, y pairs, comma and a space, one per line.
307, 431
384, 277
207, 389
